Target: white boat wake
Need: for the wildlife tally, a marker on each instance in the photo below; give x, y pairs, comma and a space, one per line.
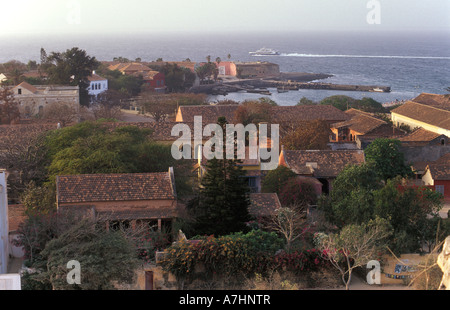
362, 56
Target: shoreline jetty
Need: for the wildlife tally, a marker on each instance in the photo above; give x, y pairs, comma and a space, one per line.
283, 82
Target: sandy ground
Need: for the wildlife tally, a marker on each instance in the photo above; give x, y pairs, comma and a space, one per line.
358, 284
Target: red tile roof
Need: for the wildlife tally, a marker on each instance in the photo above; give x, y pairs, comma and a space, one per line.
115, 187
321, 163
440, 169
434, 100
263, 204
420, 135
27, 86
295, 114
209, 113
361, 122
425, 113
95, 77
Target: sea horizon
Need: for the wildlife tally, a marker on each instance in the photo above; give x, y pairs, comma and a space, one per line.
408, 62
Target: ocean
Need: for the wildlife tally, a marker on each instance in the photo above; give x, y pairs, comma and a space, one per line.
410, 63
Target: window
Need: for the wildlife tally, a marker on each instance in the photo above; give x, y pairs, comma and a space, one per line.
252, 184
440, 189
19, 91
119, 225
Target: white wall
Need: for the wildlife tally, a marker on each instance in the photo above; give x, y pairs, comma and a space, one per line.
97, 87
10, 282
4, 240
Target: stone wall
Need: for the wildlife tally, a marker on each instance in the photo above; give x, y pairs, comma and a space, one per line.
427, 153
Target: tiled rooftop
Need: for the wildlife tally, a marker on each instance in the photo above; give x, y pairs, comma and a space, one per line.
321, 163
114, 187
425, 113
263, 204
440, 169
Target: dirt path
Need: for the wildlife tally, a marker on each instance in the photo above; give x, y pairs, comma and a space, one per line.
132, 116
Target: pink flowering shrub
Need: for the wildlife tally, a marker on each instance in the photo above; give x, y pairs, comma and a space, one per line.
238, 254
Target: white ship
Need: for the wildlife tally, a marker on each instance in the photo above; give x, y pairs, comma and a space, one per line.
265, 52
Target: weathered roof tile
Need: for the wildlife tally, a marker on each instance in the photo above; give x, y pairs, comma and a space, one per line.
114, 187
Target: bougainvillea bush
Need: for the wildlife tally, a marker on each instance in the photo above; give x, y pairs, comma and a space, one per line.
239, 254
147, 243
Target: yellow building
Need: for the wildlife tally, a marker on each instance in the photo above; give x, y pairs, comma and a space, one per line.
428, 111
33, 99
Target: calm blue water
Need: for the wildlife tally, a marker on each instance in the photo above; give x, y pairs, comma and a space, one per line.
409, 63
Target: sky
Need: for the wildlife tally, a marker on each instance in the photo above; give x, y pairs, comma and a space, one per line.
111, 16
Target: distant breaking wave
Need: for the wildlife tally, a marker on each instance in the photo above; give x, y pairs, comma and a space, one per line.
362, 56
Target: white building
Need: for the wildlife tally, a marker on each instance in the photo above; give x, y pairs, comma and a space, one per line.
4, 228
98, 84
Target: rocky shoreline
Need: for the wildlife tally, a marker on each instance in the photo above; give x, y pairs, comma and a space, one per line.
283, 82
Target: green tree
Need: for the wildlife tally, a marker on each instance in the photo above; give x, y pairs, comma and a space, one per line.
177, 79
275, 179
359, 196
127, 85
206, 70
38, 199
351, 200
91, 147
410, 210
345, 102
94, 147
222, 203
72, 67
306, 101
105, 257
387, 158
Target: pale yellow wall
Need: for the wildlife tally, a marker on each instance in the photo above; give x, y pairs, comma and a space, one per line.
400, 119
427, 178
388, 267
179, 117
